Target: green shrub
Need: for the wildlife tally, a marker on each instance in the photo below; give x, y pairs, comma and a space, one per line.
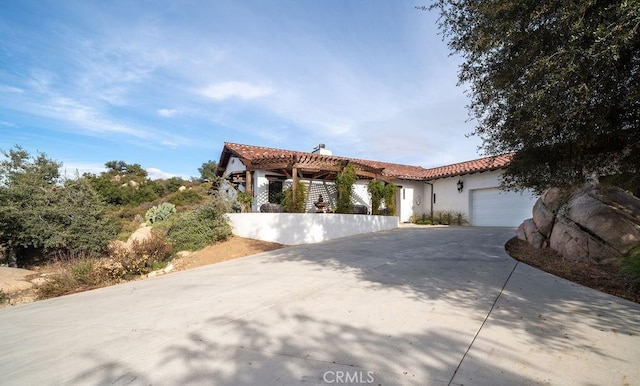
298, 204
83, 271
390, 191
160, 212
140, 258
440, 218
71, 275
631, 265
376, 192
344, 185
4, 298
245, 200
187, 198
195, 229
57, 285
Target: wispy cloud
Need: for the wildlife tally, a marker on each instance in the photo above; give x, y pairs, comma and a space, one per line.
157, 174
71, 169
10, 89
372, 83
233, 89
167, 113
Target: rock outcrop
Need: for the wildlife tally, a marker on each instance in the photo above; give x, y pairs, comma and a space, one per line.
593, 224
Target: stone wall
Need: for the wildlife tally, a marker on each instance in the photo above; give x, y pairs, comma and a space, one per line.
592, 224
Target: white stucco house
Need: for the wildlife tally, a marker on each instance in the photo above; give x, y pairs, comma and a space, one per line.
470, 187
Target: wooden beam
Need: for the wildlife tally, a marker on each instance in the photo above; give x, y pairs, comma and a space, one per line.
249, 183
294, 173
270, 165
318, 167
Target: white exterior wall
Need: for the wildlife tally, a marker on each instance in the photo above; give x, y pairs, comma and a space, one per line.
410, 199
449, 199
306, 228
234, 165
260, 190
360, 195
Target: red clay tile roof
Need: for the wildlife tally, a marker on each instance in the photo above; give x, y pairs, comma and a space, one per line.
256, 153
475, 166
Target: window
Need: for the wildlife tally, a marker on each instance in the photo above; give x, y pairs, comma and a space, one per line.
275, 192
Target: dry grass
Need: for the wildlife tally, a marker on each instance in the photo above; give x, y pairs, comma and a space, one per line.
76, 274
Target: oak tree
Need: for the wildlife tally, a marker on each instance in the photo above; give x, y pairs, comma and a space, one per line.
557, 83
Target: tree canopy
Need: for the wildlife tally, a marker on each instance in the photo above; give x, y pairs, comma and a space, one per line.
42, 213
555, 82
208, 170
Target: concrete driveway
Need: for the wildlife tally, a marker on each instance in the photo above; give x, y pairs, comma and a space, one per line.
410, 306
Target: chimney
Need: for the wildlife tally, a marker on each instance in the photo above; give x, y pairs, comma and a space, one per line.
320, 149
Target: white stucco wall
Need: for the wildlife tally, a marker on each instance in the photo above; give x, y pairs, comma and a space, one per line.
410, 198
306, 228
234, 165
449, 199
360, 194
260, 189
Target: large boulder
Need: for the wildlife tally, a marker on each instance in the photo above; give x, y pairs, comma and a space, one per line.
553, 198
592, 224
571, 242
543, 217
607, 222
532, 235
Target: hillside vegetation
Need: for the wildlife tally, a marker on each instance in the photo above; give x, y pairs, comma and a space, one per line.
75, 223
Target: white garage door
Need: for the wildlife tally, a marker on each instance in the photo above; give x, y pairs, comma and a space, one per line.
494, 207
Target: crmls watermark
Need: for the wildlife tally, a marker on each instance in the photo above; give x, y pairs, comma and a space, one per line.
348, 377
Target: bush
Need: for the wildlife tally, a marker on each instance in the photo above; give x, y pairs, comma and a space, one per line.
83, 272
344, 184
390, 191
71, 275
198, 228
186, 198
57, 285
631, 266
298, 204
440, 218
159, 213
142, 257
376, 192
245, 200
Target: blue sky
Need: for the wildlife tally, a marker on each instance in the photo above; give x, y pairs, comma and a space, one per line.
166, 83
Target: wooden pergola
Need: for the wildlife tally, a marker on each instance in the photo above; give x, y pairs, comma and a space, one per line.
294, 165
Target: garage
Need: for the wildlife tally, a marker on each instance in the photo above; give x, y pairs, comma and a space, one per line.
494, 207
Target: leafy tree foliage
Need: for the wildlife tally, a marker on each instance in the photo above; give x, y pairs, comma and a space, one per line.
344, 184
295, 204
124, 184
124, 169
208, 170
376, 191
174, 183
195, 229
40, 212
390, 191
555, 82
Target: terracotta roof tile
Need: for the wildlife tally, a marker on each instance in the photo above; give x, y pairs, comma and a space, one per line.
468, 167
255, 153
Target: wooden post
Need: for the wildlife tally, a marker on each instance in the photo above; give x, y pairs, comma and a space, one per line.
294, 174
248, 183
